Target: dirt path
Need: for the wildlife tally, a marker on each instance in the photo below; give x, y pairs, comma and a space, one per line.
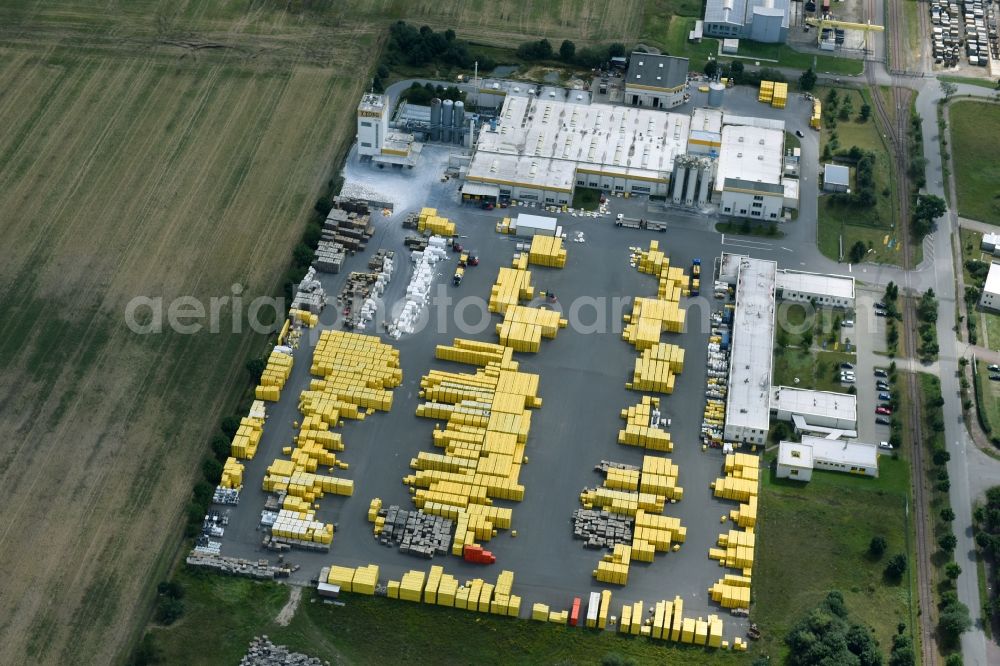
286, 614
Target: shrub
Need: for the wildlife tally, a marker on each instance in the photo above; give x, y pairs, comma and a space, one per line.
877, 546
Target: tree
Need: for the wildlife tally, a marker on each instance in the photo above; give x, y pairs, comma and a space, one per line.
256, 366
220, 447
230, 425
616, 50
896, 566
828, 636
953, 621
947, 543
902, 651
952, 570
846, 109
211, 469
169, 610
858, 252
831, 99
941, 456
736, 71
948, 89
877, 546
808, 80
711, 68
865, 113
567, 51
807, 339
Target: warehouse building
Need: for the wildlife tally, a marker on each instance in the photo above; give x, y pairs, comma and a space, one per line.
815, 411
379, 143
748, 180
757, 20
826, 290
657, 81
836, 178
990, 300
797, 460
541, 148
748, 399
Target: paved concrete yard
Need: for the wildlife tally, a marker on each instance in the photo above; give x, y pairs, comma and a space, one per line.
582, 377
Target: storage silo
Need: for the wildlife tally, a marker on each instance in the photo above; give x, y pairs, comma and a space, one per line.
436, 119
446, 113
458, 121
715, 93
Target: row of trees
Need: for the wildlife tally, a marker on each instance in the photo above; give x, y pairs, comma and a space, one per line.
740, 75
863, 194
986, 528
423, 94
927, 314
590, 56
927, 208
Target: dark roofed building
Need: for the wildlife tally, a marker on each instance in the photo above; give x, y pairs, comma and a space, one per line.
657, 81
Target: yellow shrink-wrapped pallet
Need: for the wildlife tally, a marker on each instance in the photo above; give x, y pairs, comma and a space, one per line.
232, 474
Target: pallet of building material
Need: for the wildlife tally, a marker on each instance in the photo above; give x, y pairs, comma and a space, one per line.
605, 465
351, 205
377, 260
415, 532
415, 243
601, 529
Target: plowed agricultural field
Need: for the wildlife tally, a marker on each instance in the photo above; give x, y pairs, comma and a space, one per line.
121, 177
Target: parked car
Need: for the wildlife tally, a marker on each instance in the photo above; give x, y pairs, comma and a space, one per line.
993, 368
884, 396
881, 420
879, 372
882, 409
882, 385
995, 378
885, 445
880, 306
880, 313
847, 379
799, 133
847, 323
847, 366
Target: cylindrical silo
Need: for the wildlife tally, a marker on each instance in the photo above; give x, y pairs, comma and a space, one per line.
715, 92
446, 109
706, 173
458, 121
436, 119
680, 172
692, 184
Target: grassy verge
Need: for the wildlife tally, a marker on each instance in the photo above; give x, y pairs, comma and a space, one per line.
988, 396
975, 142
828, 523
817, 370
984, 593
873, 226
786, 56
969, 81
749, 228
225, 613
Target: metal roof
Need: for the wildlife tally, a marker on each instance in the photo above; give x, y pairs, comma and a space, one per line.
658, 71
809, 402
838, 286
836, 174
993, 279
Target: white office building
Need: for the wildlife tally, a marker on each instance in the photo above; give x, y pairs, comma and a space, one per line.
827, 290
748, 399
748, 181
796, 460
990, 300
815, 411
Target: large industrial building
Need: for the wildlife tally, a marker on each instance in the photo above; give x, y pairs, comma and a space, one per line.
541, 149
748, 400
756, 20
823, 412
658, 81
377, 141
825, 290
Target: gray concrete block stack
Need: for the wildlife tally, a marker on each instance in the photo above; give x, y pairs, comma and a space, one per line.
416, 532
601, 529
263, 652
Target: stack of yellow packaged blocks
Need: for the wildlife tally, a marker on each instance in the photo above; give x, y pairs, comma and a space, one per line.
488, 417
817, 114
503, 226
303, 317
766, 94
284, 476
276, 372
512, 286
638, 429
780, 95
657, 368
476, 353
428, 220
247, 438
523, 328
649, 318
667, 623
737, 545
361, 580
547, 251
731, 591
442, 589
659, 476
232, 474
614, 568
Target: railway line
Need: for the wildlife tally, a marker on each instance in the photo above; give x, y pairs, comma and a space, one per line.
896, 128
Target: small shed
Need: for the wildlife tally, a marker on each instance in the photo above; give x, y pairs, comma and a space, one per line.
836, 178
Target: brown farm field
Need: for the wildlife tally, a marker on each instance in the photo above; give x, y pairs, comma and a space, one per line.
161, 148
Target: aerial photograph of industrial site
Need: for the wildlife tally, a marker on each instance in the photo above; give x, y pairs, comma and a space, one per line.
520, 332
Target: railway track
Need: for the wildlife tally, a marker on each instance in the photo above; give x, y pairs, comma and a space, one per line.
896, 128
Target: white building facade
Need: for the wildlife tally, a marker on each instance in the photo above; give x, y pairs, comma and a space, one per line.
990, 300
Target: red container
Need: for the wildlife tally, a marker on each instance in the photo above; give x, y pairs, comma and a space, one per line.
477, 555
574, 615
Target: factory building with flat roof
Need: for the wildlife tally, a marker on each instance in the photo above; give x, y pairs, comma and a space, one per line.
815, 411
657, 81
990, 300
826, 290
757, 20
796, 460
749, 397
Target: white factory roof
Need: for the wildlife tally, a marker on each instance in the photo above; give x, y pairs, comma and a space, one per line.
793, 454
843, 452
791, 187
520, 170
620, 140
707, 120
750, 154
753, 121
993, 279
747, 404
807, 402
372, 102
990, 241
838, 286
